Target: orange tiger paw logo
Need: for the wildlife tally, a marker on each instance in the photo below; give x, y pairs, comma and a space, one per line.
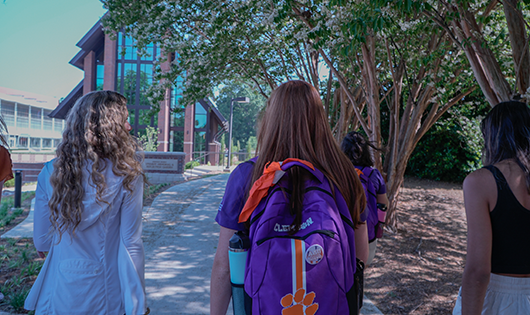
299, 304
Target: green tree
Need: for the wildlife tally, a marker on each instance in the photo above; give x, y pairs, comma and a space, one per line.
245, 114
150, 139
400, 62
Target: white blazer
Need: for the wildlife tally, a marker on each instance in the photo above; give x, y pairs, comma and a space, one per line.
99, 270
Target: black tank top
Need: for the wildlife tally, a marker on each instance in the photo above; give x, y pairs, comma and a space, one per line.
510, 224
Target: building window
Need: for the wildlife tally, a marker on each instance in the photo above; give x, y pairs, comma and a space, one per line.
58, 125
119, 79
47, 122
199, 146
134, 77
22, 116
128, 49
150, 53
178, 119
8, 113
177, 141
144, 117
100, 73
36, 118
34, 143
22, 142
200, 116
56, 142
47, 143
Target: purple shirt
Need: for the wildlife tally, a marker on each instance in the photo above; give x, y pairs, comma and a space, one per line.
235, 197
375, 177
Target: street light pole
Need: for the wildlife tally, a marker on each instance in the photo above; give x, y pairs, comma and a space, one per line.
237, 100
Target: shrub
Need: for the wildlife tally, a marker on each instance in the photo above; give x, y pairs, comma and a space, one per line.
191, 165
449, 151
10, 183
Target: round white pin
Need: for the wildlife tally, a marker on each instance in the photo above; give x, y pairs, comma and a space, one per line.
314, 254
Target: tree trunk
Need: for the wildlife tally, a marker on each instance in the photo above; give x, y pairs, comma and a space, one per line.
483, 63
519, 43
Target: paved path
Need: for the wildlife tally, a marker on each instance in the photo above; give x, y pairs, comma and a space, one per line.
180, 239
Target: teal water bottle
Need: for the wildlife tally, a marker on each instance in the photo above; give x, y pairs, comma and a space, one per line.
238, 247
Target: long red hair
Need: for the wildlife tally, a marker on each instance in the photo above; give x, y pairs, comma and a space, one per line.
294, 125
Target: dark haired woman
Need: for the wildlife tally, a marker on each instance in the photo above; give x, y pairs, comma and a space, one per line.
88, 215
496, 277
359, 151
293, 126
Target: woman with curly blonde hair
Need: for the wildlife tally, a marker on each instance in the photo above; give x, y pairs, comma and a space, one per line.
88, 215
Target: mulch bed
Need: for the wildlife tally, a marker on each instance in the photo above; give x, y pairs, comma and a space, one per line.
418, 270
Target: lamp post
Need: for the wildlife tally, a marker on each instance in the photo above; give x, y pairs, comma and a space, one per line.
234, 100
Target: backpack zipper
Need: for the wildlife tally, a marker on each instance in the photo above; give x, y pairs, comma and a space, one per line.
325, 232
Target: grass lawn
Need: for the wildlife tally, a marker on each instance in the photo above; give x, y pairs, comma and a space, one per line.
19, 263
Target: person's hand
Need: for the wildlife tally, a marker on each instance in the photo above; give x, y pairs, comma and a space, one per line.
42, 254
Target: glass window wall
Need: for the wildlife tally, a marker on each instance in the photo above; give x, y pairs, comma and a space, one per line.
134, 77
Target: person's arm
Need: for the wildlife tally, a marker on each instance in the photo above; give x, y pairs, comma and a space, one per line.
220, 287
131, 226
361, 242
382, 198
380, 184
41, 214
478, 187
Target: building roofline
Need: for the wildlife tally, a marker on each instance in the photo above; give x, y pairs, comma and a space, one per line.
217, 114
28, 98
95, 30
90, 41
64, 107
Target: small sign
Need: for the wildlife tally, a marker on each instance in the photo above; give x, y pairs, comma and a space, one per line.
160, 165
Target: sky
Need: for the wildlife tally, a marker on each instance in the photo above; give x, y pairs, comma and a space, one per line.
37, 40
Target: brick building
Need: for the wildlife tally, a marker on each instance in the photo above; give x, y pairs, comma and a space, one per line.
115, 65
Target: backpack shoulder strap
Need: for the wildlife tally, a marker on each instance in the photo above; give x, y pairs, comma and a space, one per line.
272, 173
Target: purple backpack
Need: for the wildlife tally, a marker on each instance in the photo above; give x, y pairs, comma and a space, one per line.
375, 230
307, 271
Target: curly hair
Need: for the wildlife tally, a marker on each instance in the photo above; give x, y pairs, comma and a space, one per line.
95, 131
